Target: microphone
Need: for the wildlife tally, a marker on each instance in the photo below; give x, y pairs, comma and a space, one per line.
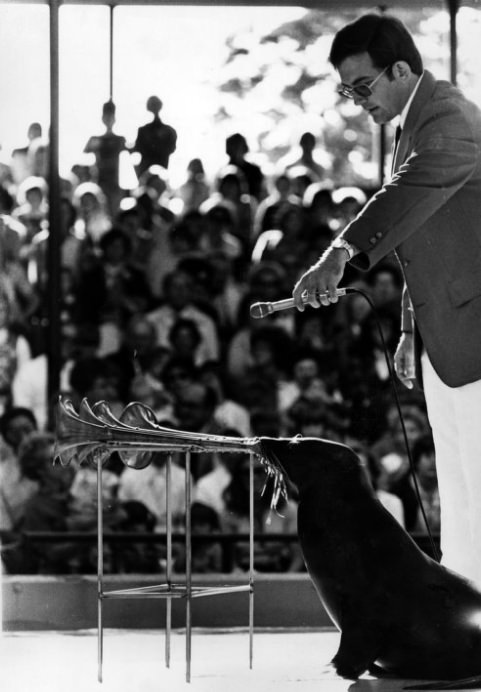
260, 310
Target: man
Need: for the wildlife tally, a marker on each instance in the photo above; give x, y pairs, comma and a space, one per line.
156, 140
429, 213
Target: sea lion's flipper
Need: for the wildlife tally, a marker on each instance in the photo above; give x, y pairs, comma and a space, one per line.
357, 652
464, 684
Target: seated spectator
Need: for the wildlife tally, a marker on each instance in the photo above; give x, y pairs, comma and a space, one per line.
271, 207
388, 500
267, 382
149, 487
228, 413
232, 192
289, 239
209, 489
220, 232
206, 554
385, 285
424, 460
93, 217
194, 409
270, 556
29, 386
393, 462
111, 290
82, 507
137, 557
16, 424
348, 202
185, 339
95, 379
194, 190
46, 509
179, 302
136, 353
14, 351
32, 209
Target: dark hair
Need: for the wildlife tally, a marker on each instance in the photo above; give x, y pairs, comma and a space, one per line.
16, 412
182, 324
112, 236
423, 445
85, 371
385, 39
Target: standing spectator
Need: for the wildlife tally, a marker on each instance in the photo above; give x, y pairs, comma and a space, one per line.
107, 149
236, 149
21, 168
156, 141
305, 157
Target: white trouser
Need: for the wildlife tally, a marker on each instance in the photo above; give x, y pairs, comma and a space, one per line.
455, 418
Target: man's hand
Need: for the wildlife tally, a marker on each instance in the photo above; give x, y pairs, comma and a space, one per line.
322, 278
404, 360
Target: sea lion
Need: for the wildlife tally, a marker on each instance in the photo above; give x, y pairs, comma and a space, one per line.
397, 609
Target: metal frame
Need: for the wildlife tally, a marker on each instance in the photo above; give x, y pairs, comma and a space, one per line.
169, 589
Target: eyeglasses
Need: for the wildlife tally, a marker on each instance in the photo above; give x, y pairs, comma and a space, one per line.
363, 91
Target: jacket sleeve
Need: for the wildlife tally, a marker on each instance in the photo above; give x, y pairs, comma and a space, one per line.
443, 156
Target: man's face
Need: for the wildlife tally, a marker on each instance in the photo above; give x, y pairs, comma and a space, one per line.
387, 98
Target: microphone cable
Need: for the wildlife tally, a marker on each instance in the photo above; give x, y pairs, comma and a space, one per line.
392, 378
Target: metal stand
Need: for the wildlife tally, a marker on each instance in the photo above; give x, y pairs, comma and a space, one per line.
170, 590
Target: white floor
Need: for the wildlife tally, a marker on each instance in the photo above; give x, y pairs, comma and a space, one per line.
284, 661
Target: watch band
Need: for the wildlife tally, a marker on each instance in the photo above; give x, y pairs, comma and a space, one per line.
341, 243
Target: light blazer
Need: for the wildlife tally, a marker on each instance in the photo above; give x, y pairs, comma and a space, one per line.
430, 214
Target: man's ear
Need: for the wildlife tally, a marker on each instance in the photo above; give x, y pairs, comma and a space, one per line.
401, 70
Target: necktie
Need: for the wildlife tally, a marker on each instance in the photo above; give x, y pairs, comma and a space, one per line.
397, 137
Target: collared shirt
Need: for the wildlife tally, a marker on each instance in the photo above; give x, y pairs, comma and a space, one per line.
405, 110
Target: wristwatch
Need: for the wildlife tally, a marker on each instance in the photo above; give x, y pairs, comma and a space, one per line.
342, 243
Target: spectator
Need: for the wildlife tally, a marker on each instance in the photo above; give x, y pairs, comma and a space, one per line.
46, 509
21, 167
16, 424
392, 458
194, 409
14, 352
96, 379
305, 157
93, 216
179, 302
149, 487
110, 290
194, 190
236, 149
107, 149
269, 556
155, 141
424, 460
281, 198
209, 489
32, 209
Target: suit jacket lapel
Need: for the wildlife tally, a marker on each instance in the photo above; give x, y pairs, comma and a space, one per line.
423, 95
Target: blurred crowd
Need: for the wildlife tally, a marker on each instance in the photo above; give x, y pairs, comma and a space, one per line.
156, 289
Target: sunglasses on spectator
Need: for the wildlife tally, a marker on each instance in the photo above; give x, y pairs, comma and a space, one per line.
363, 91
